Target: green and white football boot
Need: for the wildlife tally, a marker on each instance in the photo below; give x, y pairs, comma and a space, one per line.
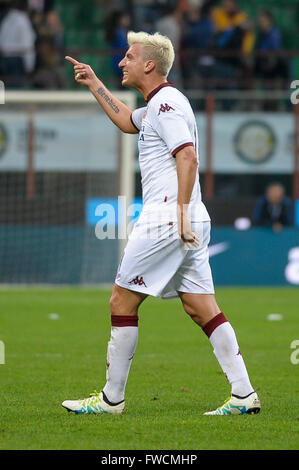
238, 406
97, 403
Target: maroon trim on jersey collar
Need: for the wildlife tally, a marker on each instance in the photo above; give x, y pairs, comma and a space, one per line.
155, 90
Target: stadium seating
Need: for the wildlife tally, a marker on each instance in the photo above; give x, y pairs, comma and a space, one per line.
286, 15
84, 33
84, 29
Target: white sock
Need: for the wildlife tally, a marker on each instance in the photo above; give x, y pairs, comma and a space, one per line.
227, 352
120, 352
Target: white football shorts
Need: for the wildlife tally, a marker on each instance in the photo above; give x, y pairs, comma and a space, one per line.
157, 262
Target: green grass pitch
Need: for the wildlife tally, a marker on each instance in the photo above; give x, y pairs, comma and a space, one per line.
174, 376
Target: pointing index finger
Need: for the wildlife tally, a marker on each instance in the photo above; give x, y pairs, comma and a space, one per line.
71, 60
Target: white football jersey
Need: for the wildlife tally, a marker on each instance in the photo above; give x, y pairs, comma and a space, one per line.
166, 125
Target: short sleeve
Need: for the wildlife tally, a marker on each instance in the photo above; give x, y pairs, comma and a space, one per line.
171, 125
136, 117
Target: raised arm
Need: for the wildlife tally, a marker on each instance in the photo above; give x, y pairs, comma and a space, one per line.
117, 111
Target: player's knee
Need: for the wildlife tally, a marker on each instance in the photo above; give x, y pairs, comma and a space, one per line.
119, 306
189, 310
115, 304
194, 314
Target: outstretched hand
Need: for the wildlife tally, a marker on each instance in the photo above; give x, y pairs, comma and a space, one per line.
83, 72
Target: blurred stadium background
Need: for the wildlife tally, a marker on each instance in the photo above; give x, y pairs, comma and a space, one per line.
60, 157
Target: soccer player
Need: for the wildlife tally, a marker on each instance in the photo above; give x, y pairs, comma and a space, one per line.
167, 251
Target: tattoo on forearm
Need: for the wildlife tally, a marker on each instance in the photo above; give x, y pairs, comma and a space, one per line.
108, 100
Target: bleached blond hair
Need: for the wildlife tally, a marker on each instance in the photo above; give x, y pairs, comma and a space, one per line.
156, 47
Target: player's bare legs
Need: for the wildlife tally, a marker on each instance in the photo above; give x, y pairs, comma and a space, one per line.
203, 309
121, 348
124, 306
124, 301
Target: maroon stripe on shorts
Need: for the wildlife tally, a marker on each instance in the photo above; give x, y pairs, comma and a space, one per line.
124, 320
212, 324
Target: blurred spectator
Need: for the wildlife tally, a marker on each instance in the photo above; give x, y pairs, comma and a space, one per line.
269, 67
36, 5
199, 27
49, 71
273, 209
233, 35
3, 9
17, 46
117, 25
170, 25
198, 30
41, 5
146, 13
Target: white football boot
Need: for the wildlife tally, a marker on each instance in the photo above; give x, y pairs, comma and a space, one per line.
95, 404
236, 406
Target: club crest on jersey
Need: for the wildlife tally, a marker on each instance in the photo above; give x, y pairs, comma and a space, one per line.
138, 280
164, 108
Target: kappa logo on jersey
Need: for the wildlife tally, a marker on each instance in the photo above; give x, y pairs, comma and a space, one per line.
138, 280
165, 107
